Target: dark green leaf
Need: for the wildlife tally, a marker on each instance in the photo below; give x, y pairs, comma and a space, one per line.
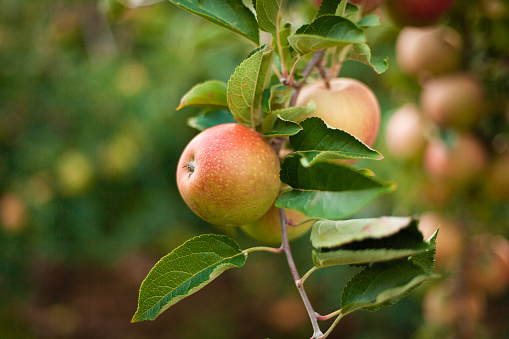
327, 190
230, 14
246, 86
426, 260
184, 271
381, 284
326, 31
330, 7
209, 119
210, 93
316, 142
282, 128
267, 13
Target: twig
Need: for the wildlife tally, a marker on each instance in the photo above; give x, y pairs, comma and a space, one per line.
285, 245
315, 60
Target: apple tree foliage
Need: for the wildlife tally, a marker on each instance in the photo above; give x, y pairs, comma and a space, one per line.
261, 94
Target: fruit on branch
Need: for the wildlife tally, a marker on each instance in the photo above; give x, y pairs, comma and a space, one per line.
404, 134
455, 100
456, 164
428, 51
489, 268
349, 105
417, 12
229, 175
268, 228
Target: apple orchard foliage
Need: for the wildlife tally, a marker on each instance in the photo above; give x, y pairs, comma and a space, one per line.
317, 179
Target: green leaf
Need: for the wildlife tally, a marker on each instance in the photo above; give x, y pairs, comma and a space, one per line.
184, 271
230, 14
361, 241
246, 85
324, 32
316, 142
362, 53
381, 284
267, 13
210, 93
330, 7
368, 21
287, 116
327, 190
426, 260
207, 119
282, 128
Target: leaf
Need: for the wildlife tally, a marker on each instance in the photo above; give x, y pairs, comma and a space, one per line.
230, 14
282, 128
381, 284
246, 85
207, 119
267, 13
324, 32
368, 21
362, 53
426, 260
287, 116
330, 7
210, 93
184, 271
361, 241
316, 142
327, 190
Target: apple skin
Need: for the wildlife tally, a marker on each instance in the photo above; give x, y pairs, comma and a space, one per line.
417, 13
404, 134
229, 175
455, 100
428, 51
348, 105
268, 228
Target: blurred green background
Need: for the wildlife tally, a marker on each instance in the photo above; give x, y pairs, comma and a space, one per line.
89, 142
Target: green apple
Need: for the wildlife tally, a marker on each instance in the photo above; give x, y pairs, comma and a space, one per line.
348, 105
268, 228
428, 51
229, 175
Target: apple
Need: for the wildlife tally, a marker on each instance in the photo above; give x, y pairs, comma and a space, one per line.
348, 105
268, 228
458, 163
13, 212
229, 175
455, 100
404, 134
417, 12
428, 51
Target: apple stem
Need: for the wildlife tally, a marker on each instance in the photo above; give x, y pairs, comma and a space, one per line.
263, 248
315, 61
285, 245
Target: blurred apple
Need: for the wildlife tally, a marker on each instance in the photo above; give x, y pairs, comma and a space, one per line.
404, 134
268, 228
459, 163
287, 314
449, 241
13, 212
497, 180
455, 100
428, 51
489, 269
348, 105
417, 12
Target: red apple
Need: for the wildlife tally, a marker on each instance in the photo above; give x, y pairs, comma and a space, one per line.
404, 135
428, 51
417, 12
229, 175
268, 228
455, 100
348, 105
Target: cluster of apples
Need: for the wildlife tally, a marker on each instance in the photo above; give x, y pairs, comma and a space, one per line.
229, 174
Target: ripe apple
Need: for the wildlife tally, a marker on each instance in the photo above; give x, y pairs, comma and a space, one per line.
404, 135
229, 175
455, 100
428, 51
349, 105
268, 228
417, 12
459, 163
